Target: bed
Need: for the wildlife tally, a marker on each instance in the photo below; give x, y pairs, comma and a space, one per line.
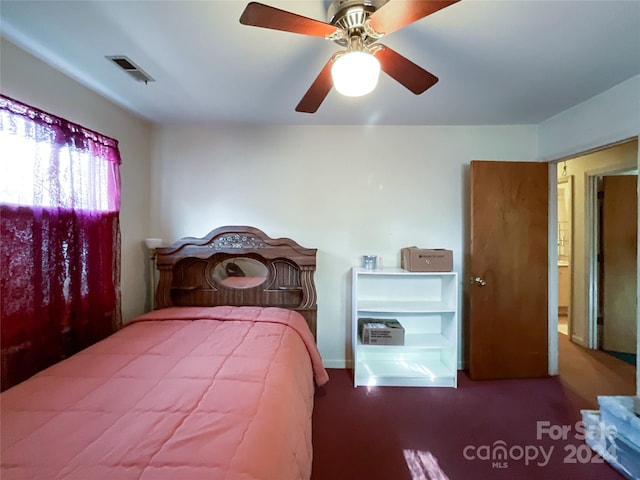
216, 383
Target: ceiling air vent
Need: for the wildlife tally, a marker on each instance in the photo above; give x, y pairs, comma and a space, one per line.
131, 68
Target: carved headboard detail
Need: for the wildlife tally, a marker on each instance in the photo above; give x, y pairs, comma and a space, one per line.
238, 265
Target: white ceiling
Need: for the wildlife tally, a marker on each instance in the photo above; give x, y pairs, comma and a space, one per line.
499, 61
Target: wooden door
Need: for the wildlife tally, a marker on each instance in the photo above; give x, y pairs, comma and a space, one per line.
619, 247
509, 270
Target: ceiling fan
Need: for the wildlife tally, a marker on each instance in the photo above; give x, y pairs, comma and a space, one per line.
356, 25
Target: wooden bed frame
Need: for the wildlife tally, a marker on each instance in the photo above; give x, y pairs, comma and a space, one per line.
190, 272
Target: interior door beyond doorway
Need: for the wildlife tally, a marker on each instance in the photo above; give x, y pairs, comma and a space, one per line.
509, 270
619, 265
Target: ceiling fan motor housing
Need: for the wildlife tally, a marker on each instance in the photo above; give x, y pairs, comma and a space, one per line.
351, 15
339, 7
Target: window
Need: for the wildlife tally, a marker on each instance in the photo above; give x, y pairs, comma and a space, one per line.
60, 238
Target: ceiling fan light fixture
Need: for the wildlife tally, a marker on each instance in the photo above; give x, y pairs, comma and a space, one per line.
355, 73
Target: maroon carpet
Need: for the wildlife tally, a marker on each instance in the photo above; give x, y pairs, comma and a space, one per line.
394, 433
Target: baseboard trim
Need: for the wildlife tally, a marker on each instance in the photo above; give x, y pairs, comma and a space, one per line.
579, 340
337, 363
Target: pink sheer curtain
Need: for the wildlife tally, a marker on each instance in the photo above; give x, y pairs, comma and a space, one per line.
59, 239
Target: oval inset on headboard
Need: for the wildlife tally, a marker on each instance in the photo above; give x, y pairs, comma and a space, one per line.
240, 272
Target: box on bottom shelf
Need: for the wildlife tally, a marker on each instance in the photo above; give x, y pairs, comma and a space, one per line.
381, 331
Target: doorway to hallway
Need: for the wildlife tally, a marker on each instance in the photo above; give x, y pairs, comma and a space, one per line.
596, 252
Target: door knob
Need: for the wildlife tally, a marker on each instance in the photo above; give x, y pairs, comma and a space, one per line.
478, 280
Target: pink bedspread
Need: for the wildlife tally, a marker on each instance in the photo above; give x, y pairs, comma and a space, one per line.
181, 393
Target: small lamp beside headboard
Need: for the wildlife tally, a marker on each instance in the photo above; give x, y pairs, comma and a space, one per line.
152, 244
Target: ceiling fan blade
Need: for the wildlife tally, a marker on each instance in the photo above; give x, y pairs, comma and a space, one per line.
318, 90
404, 71
396, 14
259, 15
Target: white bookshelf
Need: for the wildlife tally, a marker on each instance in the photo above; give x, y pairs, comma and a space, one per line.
426, 305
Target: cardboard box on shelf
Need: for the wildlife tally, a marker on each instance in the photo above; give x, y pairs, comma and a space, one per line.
381, 331
416, 259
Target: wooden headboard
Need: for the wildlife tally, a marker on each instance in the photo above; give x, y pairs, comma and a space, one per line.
220, 269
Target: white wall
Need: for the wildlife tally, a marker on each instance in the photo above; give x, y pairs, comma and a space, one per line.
607, 118
347, 191
31, 81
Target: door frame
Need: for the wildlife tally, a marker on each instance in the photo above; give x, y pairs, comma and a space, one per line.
553, 280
